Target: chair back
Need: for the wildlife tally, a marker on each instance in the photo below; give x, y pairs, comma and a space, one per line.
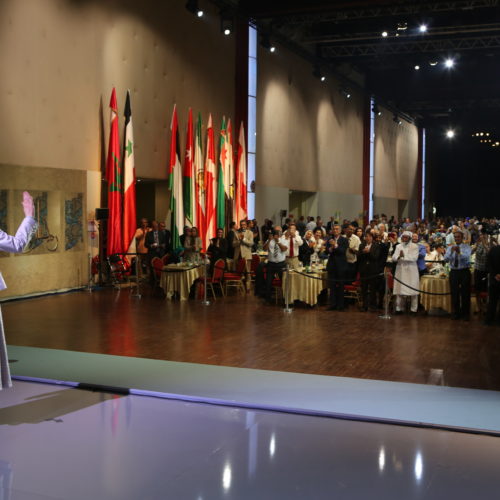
241, 266
157, 264
165, 259
255, 263
218, 270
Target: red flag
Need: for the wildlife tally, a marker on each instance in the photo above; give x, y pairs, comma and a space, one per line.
199, 170
241, 177
210, 186
114, 178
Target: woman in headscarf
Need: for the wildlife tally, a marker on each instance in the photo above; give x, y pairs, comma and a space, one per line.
14, 244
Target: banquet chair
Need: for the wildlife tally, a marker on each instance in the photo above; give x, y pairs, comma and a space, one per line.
253, 267
353, 290
235, 279
217, 277
119, 271
157, 265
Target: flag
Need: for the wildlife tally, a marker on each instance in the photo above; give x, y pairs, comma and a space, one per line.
114, 178
129, 207
210, 186
200, 183
175, 183
188, 180
241, 177
221, 190
229, 181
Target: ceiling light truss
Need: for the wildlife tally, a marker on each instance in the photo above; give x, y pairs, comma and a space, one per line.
390, 10
421, 47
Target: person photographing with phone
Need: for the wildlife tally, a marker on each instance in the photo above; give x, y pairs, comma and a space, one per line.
277, 247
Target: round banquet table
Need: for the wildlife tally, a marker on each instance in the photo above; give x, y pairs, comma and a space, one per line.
435, 284
304, 286
179, 279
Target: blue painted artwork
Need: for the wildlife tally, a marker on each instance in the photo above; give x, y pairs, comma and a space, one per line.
73, 214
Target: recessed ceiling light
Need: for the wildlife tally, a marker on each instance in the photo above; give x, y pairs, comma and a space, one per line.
423, 28
384, 34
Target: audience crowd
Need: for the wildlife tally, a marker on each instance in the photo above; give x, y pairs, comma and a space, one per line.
467, 250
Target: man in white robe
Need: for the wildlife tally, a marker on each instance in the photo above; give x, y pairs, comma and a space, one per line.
14, 244
406, 255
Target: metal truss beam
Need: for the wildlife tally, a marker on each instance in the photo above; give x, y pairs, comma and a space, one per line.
417, 46
394, 10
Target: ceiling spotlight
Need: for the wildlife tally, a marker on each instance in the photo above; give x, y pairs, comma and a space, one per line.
192, 6
450, 134
402, 26
497, 143
433, 63
226, 23
422, 28
384, 34
488, 134
449, 63
376, 110
318, 73
417, 67
396, 119
265, 41
481, 133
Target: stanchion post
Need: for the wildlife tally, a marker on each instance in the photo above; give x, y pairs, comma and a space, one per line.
137, 279
386, 314
205, 301
287, 309
89, 287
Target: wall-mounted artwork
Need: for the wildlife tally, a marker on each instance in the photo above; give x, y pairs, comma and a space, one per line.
73, 216
43, 240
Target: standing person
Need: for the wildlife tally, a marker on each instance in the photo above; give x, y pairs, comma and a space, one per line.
140, 245
368, 265
276, 246
352, 251
165, 235
301, 226
458, 256
337, 268
242, 245
406, 255
155, 242
493, 265
192, 246
307, 248
14, 244
481, 249
294, 242
231, 236
422, 255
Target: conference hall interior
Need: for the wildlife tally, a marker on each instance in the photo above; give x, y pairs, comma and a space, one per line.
263, 256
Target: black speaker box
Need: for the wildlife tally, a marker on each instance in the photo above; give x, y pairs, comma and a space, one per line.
101, 213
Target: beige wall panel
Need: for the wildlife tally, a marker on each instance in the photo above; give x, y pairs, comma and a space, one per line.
55, 74
309, 137
38, 272
396, 158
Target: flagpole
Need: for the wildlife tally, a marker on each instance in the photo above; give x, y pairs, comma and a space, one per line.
205, 301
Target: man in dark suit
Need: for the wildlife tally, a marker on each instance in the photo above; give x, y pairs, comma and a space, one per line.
493, 266
337, 268
162, 228
156, 241
368, 267
218, 247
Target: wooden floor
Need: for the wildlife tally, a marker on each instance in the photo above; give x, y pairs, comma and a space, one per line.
243, 332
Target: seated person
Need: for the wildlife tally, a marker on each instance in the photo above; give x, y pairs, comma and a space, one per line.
218, 247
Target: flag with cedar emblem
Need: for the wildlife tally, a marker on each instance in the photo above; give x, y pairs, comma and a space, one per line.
188, 180
241, 177
210, 186
129, 202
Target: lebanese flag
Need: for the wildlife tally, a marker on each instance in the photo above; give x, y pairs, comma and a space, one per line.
114, 178
129, 207
210, 186
199, 170
175, 183
221, 189
241, 177
188, 177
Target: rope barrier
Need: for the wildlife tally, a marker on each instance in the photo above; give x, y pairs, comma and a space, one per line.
420, 291
334, 280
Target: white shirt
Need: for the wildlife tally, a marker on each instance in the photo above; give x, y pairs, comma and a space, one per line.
354, 243
297, 242
310, 226
275, 254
